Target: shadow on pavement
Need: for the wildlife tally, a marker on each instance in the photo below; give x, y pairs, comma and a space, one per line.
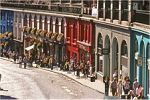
3, 89
110, 97
6, 97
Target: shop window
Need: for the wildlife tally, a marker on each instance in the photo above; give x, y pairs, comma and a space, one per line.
45, 24
100, 41
35, 21
124, 50
40, 23
57, 26
51, 25
75, 34
82, 32
100, 64
62, 26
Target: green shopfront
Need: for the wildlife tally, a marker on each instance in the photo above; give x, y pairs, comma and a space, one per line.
140, 58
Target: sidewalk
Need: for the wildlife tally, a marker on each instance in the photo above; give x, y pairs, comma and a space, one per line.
97, 85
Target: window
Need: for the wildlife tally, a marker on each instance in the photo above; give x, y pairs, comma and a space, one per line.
100, 57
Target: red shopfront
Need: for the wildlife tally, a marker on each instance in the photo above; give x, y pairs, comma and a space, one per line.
86, 41
72, 38
79, 40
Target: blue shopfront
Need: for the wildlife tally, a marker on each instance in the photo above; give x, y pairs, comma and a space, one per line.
140, 58
6, 23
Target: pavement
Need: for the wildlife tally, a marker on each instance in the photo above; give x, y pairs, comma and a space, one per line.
97, 85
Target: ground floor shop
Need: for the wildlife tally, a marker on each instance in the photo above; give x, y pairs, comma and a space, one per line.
112, 51
141, 58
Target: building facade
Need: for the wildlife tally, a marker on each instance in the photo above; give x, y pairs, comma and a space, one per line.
79, 38
6, 26
100, 31
140, 54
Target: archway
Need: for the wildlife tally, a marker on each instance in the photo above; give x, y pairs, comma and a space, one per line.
99, 56
115, 56
124, 59
107, 58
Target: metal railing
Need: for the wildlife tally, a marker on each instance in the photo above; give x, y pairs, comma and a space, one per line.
57, 8
141, 16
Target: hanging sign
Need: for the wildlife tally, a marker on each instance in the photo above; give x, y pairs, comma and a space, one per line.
140, 61
105, 51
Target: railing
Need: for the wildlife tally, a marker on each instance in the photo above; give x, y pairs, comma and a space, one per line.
141, 16
57, 8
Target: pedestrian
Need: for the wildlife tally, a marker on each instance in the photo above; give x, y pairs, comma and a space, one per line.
106, 82
20, 61
119, 88
25, 62
51, 63
130, 94
114, 87
115, 74
135, 85
126, 85
139, 91
14, 56
78, 69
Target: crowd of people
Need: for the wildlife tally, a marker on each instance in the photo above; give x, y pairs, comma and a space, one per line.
118, 87
83, 67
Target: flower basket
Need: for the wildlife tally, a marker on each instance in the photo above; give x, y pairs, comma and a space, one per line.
33, 31
43, 33
54, 36
29, 30
24, 29
38, 32
60, 37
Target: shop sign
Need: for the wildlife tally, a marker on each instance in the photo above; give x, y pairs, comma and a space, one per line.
94, 11
82, 47
140, 61
105, 51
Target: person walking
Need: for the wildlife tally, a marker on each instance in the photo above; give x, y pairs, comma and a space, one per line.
25, 62
14, 56
114, 87
139, 92
119, 88
135, 85
126, 86
20, 61
106, 82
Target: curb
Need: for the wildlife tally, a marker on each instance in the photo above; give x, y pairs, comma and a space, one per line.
72, 79
59, 73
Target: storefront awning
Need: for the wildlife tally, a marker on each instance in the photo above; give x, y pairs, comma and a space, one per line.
29, 48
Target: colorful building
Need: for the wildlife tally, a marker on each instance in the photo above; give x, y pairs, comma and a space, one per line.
79, 37
140, 46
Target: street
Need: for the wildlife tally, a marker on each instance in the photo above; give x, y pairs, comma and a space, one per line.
35, 83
